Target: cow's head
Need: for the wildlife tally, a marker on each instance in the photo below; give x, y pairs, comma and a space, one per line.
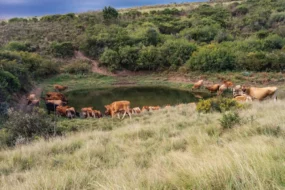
237, 91
108, 110
245, 89
70, 113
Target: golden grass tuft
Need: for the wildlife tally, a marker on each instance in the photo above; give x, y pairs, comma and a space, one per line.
174, 148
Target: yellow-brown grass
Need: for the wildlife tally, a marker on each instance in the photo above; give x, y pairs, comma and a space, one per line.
174, 148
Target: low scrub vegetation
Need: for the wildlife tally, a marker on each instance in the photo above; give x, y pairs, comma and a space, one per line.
234, 36
176, 148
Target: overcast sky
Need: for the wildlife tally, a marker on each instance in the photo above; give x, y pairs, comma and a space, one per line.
27, 8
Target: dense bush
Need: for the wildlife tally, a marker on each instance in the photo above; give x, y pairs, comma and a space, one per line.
150, 58
78, 67
111, 59
229, 120
128, 57
212, 58
217, 104
62, 50
28, 126
9, 81
19, 46
110, 13
176, 52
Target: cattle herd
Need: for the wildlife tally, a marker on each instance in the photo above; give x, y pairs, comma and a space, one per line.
57, 102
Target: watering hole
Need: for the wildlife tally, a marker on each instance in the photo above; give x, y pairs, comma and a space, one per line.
138, 96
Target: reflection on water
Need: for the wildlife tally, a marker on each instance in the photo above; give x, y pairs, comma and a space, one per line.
138, 96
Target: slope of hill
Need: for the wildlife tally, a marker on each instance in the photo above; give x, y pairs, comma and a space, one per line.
174, 148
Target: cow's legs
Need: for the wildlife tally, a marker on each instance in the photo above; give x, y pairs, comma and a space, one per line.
124, 114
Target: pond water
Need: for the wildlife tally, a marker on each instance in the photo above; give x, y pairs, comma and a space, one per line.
138, 96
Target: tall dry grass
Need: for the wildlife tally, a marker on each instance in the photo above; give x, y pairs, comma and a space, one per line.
173, 148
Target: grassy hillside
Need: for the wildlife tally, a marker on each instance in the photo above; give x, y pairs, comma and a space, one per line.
175, 148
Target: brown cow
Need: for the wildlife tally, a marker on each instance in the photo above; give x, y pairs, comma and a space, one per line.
261, 93
145, 108
97, 113
87, 112
118, 106
55, 96
66, 111
60, 88
226, 85
214, 88
198, 84
136, 110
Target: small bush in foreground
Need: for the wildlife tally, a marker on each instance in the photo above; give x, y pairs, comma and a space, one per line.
27, 126
229, 120
217, 104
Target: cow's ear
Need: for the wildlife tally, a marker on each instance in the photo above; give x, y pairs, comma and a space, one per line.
107, 106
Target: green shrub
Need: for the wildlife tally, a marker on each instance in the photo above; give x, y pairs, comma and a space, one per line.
19, 46
274, 42
29, 125
9, 81
277, 17
129, 56
62, 50
110, 59
149, 58
177, 52
78, 67
201, 33
229, 120
110, 13
212, 58
217, 104
240, 10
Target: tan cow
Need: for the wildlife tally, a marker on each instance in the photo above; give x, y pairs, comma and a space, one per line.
261, 93
198, 84
66, 111
118, 106
136, 110
97, 114
145, 108
243, 98
87, 112
60, 88
30, 98
213, 88
154, 108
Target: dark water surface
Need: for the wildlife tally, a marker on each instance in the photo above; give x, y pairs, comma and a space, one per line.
138, 96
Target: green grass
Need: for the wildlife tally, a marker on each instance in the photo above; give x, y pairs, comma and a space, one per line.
175, 148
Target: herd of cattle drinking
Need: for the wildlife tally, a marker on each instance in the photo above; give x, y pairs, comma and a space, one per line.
56, 101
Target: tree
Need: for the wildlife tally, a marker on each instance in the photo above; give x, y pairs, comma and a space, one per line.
110, 13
